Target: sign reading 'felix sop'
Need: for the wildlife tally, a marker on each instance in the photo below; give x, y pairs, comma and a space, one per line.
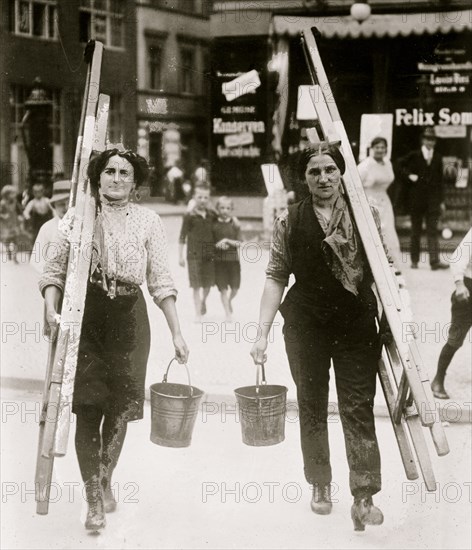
443, 117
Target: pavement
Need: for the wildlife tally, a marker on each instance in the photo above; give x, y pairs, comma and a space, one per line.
219, 493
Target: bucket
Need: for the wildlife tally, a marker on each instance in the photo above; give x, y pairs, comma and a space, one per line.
174, 409
262, 412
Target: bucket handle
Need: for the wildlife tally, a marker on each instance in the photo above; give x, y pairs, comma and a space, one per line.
260, 376
164, 380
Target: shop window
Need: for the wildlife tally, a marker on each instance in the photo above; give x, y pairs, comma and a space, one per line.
155, 62
187, 69
115, 119
18, 96
34, 18
102, 20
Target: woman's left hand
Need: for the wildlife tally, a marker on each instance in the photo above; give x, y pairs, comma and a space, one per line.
181, 350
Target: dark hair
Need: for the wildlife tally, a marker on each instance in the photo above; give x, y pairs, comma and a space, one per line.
324, 148
378, 140
98, 163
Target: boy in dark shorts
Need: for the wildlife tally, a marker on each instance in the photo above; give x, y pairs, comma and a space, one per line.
227, 235
197, 232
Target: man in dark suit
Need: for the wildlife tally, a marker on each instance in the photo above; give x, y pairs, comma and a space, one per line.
422, 172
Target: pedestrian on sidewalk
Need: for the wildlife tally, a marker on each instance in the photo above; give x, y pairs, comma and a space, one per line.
38, 210
461, 313
45, 244
227, 235
197, 233
129, 247
377, 176
329, 315
423, 177
11, 221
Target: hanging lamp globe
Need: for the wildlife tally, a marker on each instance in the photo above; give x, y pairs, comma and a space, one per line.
360, 11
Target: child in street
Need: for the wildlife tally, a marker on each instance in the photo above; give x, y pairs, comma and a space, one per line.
10, 221
227, 235
38, 210
197, 233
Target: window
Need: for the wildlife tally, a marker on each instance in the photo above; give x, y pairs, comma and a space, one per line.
187, 69
188, 6
102, 20
34, 18
18, 96
155, 52
206, 77
115, 120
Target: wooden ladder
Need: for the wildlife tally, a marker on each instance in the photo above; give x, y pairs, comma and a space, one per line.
58, 389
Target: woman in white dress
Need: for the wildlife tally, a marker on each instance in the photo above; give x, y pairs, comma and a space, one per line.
377, 175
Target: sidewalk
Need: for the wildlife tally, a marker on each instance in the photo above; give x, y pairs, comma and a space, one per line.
219, 493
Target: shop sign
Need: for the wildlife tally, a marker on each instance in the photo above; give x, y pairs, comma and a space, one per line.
443, 117
449, 83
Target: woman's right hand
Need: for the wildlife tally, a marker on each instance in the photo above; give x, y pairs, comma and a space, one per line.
258, 351
51, 325
182, 262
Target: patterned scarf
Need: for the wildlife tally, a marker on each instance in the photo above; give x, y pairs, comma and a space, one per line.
342, 248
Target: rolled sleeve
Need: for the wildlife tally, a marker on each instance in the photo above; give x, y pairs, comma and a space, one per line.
279, 267
55, 267
159, 279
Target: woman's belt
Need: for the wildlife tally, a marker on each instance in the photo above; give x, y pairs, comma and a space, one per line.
112, 286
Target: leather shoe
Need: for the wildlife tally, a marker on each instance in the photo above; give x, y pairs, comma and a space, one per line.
439, 265
439, 390
363, 512
321, 500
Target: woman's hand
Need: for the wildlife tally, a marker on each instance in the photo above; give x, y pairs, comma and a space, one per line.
51, 325
258, 351
182, 262
462, 293
181, 350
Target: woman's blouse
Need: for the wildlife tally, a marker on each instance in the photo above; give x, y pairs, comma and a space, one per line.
376, 176
130, 243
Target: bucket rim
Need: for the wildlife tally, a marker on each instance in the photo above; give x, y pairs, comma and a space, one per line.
196, 392
282, 390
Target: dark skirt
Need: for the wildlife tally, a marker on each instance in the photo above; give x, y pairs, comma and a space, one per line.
113, 354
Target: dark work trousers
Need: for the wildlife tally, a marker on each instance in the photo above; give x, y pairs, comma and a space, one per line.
432, 219
354, 351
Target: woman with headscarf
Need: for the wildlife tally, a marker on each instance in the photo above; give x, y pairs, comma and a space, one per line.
129, 247
329, 315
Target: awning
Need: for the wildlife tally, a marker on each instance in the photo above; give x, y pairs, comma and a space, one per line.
377, 25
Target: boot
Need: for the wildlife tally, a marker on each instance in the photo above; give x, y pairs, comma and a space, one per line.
321, 500
108, 496
363, 512
96, 513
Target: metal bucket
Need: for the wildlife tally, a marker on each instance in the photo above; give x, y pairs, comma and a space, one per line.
262, 412
174, 409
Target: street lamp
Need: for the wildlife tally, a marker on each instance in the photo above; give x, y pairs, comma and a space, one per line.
37, 134
360, 10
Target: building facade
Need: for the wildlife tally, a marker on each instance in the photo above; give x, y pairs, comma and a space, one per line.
45, 40
409, 62
173, 67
